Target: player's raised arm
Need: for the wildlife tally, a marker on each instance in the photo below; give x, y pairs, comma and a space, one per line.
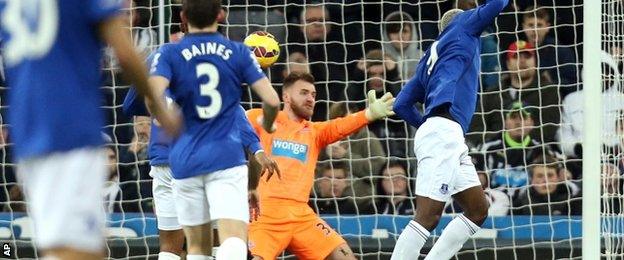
112, 32
484, 15
270, 102
405, 104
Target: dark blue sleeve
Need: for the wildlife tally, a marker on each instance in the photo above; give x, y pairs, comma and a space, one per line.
484, 15
133, 104
405, 103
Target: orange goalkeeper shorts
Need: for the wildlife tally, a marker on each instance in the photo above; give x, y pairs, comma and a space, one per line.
295, 228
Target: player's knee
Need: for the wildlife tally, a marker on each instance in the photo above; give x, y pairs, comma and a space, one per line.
428, 221
477, 214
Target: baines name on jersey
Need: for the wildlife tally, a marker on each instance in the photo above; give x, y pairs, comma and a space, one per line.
207, 48
290, 149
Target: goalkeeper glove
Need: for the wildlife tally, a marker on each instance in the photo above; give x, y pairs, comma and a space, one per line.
379, 108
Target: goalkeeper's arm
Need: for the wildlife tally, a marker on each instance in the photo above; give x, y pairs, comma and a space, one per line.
339, 128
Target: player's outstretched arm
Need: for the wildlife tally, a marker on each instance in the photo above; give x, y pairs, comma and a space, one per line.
485, 14
113, 33
270, 102
339, 128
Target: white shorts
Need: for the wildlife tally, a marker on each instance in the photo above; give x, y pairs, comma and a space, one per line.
207, 197
64, 191
444, 166
164, 198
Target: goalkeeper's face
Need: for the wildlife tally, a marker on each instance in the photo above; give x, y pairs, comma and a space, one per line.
300, 98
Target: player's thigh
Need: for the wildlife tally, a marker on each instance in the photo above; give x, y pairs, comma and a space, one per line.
164, 199
191, 202
314, 239
438, 150
63, 188
467, 176
268, 240
227, 194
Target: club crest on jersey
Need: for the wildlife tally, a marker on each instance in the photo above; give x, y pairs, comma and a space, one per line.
444, 189
288, 149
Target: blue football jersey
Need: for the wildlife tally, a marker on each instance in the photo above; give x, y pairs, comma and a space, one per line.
52, 56
448, 73
206, 73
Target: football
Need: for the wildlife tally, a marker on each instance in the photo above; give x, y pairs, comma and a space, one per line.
264, 47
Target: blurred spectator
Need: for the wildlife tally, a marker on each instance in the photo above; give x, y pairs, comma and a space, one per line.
522, 83
570, 135
296, 62
548, 194
376, 71
393, 196
400, 39
247, 16
553, 57
611, 189
16, 201
336, 193
320, 41
134, 176
362, 150
506, 158
490, 63
112, 191
379, 72
499, 201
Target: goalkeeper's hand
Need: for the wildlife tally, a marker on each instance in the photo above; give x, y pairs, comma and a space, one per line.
379, 108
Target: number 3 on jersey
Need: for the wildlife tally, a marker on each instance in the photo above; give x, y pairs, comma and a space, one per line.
209, 89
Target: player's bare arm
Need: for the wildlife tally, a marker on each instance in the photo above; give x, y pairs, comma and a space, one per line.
270, 102
113, 33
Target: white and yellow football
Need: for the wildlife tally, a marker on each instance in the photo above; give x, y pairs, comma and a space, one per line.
264, 47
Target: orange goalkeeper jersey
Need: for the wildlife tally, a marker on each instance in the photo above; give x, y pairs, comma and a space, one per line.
295, 146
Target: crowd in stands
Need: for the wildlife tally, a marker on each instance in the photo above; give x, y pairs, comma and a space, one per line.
525, 138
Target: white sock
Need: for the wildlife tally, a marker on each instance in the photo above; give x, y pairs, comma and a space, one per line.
411, 240
453, 238
198, 257
168, 256
232, 248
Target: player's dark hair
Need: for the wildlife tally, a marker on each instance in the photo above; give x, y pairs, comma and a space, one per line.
296, 76
536, 11
201, 13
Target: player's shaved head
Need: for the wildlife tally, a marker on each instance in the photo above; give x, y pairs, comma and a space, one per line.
447, 18
201, 13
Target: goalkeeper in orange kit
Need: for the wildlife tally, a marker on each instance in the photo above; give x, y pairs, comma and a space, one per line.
285, 220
